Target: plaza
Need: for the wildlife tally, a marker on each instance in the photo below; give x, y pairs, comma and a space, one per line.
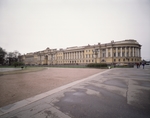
118, 92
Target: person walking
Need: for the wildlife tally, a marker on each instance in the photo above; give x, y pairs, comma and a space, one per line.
143, 63
137, 64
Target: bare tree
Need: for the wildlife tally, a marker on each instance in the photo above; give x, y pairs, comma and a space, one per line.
2, 55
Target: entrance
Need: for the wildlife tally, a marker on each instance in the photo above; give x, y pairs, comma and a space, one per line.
46, 60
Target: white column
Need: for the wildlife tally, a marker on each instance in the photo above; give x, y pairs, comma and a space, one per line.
133, 51
69, 55
106, 52
121, 52
116, 52
79, 54
129, 52
125, 52
99, 52
139, 52
74, 55
110, 52
66, 55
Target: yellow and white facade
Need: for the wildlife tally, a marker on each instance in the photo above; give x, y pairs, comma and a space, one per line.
119, 52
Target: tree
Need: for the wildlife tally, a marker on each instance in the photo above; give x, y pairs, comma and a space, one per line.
13, 57
2, 55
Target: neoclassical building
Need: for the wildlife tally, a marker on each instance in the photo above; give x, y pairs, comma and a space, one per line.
119, 52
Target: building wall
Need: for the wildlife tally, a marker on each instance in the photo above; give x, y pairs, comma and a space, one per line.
120, 52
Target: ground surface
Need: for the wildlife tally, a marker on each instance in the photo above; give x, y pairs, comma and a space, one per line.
16, 87
114, 93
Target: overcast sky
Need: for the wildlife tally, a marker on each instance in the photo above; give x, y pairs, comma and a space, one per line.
34, 25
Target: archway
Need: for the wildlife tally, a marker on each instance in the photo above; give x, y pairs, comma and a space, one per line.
46, 60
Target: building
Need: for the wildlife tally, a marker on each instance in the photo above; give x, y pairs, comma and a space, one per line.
119, 52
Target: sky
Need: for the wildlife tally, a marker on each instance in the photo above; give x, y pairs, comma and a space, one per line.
33, 25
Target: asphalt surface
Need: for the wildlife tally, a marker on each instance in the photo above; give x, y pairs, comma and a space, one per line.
115, 93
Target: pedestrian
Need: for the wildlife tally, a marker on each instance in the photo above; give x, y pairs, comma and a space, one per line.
137, 64
143, 63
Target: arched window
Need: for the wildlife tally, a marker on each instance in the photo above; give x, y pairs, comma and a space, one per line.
103, 60
114, 54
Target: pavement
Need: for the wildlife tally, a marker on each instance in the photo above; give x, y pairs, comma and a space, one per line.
114, 93
8, 69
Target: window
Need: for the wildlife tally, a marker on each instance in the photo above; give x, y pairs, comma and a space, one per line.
103, 55
114, 59
108, 54
119, 59
123, 59
123, 54
127, 54
118, 54
114, 54
103, 60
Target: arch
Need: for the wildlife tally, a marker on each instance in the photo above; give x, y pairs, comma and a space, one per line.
46, 59
103, 60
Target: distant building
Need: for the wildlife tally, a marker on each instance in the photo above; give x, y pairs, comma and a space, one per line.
119, 52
